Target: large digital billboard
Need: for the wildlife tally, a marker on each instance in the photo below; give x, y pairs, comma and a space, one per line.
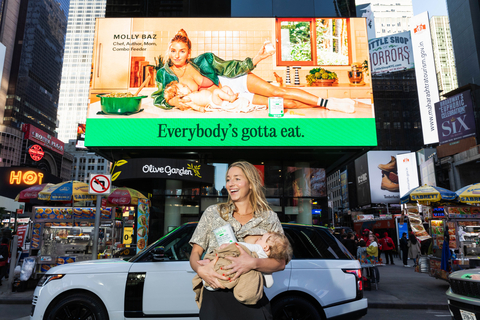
129, 52
391, 53
455, 118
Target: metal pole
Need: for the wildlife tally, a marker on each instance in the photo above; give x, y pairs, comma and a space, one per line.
96, 228
13, 261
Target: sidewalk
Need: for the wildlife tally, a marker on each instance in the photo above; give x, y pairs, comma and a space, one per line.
7, 297
399, 288
403, 288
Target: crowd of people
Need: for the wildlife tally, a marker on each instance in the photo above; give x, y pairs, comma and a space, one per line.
375, 246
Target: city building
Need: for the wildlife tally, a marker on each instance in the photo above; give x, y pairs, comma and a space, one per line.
36, 65
77, 65
85, 163
443, 52
389, 16
397, 112
10, 146
465, 33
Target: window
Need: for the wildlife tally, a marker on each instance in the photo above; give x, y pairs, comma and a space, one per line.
312, 42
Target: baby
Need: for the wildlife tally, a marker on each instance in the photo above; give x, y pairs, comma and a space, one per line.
247, 288
198, 100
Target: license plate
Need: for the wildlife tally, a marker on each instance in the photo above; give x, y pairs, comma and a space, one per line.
467, 315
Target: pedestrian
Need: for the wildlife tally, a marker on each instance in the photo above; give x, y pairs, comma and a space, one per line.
413, 248
372, 257
249, 214
387, 247
350, 244
404, 249
3, 258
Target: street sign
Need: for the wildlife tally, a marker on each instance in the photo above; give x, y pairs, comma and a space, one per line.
99, 184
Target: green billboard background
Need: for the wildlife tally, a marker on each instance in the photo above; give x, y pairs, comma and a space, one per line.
251, 132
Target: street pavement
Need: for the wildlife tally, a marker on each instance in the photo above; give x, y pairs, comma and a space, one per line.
399, 288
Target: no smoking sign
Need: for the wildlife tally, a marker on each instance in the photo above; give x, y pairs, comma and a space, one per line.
99, 183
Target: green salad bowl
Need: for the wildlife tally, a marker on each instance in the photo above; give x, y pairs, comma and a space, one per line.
120, 105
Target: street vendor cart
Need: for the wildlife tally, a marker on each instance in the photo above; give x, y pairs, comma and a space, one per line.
63, 235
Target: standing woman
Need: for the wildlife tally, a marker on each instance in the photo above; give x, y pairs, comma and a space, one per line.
413, 248
207, 71
248, 213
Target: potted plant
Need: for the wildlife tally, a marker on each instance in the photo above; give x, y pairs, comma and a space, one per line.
319, 77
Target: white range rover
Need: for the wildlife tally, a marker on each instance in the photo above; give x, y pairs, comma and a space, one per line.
323, 281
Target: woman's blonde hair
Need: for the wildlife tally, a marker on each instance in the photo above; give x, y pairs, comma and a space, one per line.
257, 194
180, 36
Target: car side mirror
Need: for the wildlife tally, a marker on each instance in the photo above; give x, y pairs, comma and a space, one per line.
158, 253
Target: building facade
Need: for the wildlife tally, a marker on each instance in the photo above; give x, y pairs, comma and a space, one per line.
389, 16
443, 52
75, 84
84, 163
34, 79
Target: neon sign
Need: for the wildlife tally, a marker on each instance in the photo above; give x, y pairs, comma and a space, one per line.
26, 177
36, 152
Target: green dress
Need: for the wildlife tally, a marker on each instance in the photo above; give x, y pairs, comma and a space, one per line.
209, 65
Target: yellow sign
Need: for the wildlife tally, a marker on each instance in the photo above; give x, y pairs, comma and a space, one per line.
27, 177
127, 235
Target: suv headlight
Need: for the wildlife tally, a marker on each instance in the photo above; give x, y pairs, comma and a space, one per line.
46, 278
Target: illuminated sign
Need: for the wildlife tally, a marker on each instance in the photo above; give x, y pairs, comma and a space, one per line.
36, 152
125, 57
438, 212
26, 177
43, 138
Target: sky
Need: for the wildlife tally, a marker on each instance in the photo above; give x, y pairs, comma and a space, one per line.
434, 7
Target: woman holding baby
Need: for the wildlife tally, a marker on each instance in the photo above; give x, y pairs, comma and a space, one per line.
250, 216
210, 72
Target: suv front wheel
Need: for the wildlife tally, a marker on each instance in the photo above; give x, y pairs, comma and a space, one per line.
78, 306
294, 308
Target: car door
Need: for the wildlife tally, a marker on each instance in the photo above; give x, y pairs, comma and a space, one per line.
167, 285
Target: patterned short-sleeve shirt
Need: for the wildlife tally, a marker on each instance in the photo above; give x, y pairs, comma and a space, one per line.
211, 220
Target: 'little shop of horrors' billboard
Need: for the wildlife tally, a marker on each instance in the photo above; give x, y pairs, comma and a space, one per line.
132, 55
391, 53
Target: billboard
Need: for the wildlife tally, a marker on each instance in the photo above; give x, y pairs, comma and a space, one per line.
383, 176
427, 173
391, 53
363, 185
80, 144
426, 75
377, 177
455, 118
42, 138
407, 172
128, 53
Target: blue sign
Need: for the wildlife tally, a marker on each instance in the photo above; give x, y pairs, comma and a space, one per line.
317, 211
438, 212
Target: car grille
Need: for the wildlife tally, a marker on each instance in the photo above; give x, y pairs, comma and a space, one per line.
465, 288
34, 303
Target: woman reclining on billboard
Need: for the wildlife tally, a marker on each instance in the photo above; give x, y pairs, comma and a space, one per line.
207, 71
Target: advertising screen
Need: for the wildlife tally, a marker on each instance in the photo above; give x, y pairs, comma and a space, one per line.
132, 55
383, 175
407, 172
363, 187
427, 85
455, 118
391, 53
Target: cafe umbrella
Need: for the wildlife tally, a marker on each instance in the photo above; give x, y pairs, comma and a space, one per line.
31, 192
427, 194
124, 196
67, 191
469, 194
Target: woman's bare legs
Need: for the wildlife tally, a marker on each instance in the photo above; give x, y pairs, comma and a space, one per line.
261, 87
287, 103
295, 98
